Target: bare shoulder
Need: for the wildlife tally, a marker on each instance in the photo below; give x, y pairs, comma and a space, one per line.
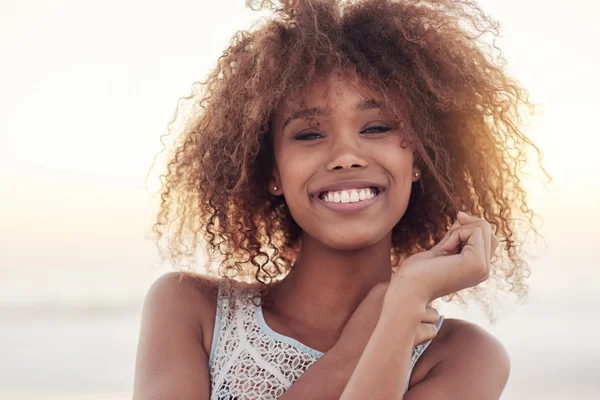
458, 336
464, 359
189, 298
184, 283
187, 289
175, 338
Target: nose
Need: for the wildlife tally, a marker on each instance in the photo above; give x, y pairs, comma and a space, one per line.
346, 154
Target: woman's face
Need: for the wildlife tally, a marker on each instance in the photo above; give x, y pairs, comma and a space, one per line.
342, 165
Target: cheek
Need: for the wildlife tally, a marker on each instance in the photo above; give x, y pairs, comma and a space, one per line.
397, 160
296, 167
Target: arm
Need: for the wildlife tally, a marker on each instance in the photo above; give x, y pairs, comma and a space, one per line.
469, 364
474, 368
338, 364
171, 360
383, 368
325, 379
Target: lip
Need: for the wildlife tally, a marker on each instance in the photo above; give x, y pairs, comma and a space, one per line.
348, 207
343, 185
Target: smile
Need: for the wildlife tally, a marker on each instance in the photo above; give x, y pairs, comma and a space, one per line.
354, 195
349, 200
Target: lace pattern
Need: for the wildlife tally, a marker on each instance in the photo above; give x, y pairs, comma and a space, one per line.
250, 361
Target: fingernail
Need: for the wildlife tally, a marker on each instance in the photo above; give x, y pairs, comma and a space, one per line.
464, 214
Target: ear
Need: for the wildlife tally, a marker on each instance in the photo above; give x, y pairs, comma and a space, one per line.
416, 174
275, 183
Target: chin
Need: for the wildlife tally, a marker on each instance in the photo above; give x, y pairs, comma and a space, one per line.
350, 241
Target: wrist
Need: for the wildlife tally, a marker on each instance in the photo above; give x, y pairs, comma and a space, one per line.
407, 289
402, 306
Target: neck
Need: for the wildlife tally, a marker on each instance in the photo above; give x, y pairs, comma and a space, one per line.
327, 285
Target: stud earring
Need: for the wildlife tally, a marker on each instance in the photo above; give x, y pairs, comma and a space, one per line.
416, 174
275, 188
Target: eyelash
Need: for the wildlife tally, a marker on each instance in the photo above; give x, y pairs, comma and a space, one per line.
313, 135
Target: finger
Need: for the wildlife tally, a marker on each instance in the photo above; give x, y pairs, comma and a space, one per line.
495, 244
455, 225
441, 250
466, 269
435, 251
464, 219
471, 238
486, 229
425, 333
436, 248
461, 219
475, 243
431, 316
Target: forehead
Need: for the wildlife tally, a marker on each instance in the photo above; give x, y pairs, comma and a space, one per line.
328, 94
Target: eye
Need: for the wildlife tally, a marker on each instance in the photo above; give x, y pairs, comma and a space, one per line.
307, 136
374, 129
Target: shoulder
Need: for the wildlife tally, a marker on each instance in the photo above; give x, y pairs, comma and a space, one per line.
190, 300
457, 335
184, 298
185, 289
463, 358
173, 286
174, 341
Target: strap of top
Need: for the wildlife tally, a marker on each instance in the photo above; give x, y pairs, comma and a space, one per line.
217, 328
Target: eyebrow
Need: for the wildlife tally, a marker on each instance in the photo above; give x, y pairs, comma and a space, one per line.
362, 105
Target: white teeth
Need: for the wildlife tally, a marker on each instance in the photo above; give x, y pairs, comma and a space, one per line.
345, 197
349, 196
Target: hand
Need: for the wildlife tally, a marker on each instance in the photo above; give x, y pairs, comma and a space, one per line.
428, 271
460, 260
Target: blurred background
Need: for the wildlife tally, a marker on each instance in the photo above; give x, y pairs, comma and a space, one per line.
87, 89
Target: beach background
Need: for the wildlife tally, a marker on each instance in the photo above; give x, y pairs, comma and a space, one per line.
86, 91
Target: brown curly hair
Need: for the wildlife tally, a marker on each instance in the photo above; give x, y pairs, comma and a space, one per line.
429, 62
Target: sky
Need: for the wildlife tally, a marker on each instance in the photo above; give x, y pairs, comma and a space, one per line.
88, 88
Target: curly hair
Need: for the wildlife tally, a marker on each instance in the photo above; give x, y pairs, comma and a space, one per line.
431, 65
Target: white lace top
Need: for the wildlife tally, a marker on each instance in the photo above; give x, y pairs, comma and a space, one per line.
249, 360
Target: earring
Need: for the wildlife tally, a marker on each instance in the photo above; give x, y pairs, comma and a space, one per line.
416, 174
275, 188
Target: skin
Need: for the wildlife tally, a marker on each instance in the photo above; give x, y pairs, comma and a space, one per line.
341, 297
308, 158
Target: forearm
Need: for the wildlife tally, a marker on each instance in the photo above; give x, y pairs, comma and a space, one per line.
382, 370
325, 379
